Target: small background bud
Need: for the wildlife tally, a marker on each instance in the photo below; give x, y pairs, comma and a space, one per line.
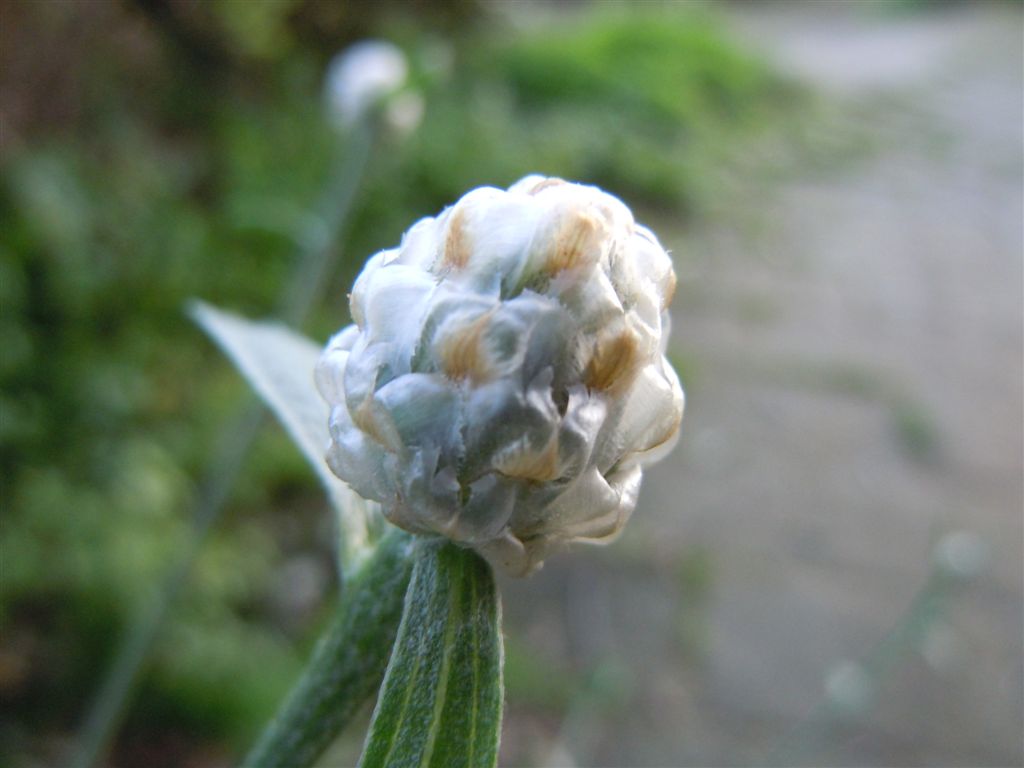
361, 76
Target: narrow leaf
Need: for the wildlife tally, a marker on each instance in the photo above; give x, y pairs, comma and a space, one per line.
348, 664
441, 701
279, 364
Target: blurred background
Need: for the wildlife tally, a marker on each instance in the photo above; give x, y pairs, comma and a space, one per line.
828, 569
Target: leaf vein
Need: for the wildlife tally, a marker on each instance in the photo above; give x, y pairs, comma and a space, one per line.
413, 675
454, 618
475, 650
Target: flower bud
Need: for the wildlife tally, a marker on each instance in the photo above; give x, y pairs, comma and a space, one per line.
505, 380
361, 76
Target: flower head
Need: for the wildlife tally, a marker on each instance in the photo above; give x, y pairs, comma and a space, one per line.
505, 377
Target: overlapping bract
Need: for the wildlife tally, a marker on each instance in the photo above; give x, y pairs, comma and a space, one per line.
505, 377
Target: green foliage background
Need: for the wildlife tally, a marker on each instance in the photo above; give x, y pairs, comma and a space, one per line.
175, 151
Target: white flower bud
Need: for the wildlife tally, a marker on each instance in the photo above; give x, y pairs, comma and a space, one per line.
505, 379
360, 76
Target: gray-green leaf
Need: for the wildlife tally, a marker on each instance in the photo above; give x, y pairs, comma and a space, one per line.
440, 704
348, 664
279, 364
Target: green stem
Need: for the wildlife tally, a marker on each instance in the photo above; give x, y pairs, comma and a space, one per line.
348, 664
